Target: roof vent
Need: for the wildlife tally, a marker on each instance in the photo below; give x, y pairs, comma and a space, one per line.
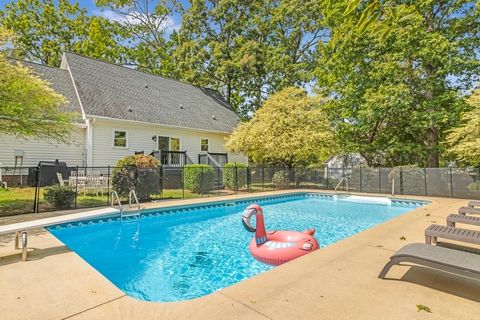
213, 117
130, 109
146, 85
181, 106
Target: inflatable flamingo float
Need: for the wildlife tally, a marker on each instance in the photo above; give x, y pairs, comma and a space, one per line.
276, 247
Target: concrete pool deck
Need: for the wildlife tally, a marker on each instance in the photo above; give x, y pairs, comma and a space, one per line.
336, 282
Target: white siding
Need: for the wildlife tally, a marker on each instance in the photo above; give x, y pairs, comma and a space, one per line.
139, 138
35, 151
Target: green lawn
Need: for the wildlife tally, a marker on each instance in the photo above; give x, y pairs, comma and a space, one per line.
20, 200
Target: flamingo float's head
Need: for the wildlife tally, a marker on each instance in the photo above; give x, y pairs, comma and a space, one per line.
251, 210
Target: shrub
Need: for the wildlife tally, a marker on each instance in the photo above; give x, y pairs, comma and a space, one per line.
281, 179
139, 172
198, 178
60, 197
235, 175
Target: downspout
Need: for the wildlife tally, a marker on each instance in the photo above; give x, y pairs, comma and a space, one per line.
89, 142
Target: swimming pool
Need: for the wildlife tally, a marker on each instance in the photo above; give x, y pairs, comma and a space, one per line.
185, 252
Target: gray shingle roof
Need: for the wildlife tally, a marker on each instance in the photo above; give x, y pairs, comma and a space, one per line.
60, 82
110, 90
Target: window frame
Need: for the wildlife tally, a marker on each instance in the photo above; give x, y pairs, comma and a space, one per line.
208, 145
170, 142
126, 138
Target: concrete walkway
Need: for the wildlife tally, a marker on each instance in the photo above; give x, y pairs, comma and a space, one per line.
336, 282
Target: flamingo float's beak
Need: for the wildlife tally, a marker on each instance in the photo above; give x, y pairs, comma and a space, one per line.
309, 231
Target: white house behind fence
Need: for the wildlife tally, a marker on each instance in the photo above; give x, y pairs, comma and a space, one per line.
122, 111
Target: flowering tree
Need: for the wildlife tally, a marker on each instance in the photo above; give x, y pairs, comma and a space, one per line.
464, 140
290, 129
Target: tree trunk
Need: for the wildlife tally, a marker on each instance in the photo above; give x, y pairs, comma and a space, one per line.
433, 157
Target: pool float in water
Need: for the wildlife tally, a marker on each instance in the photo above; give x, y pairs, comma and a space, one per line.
276, 247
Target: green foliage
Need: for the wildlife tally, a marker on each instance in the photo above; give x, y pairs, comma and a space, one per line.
147, 24
235, 175
138, 172
393, 97
290, 129
28, 106
198, 178
464, 141
248, 49
60, 197
47, 28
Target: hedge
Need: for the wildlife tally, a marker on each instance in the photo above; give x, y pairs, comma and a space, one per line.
60, 197
198, 178
139, 172
233, 172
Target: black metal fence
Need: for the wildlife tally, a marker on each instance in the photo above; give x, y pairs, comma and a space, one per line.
92, 186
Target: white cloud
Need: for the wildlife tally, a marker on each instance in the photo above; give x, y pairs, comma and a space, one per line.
134, 18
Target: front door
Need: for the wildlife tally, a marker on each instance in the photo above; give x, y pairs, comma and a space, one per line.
163, 147
167, 144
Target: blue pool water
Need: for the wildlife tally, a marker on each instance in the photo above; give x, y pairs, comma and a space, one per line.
182, 254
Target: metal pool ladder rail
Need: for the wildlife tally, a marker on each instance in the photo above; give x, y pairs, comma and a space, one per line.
340, 182
116, 198
132, 196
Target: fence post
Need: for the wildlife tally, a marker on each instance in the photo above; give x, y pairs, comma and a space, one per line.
136, 177
425, 179
108, 186
236, 177
183, 182
361, 181
263, 178
328, 177
76, 187
218, 181
379, 180
35, 200
201, 181
249, 179
401, 181
451, 183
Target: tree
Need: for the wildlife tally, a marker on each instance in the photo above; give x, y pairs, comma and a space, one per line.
148, 24
395, 96
47, 28
464, 141
289, 129
28, 106
248, 49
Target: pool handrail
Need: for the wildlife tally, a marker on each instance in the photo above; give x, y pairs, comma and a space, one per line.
21, 228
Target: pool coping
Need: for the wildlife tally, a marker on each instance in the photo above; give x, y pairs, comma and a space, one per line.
250, 298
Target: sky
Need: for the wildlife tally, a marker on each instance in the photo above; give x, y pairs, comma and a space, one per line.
92, 9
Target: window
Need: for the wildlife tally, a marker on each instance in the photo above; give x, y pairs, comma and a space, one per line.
204, 145
120, 139
174, 144
168, 143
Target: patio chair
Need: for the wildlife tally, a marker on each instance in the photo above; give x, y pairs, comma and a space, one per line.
461, 218
438, 231
474, 203
449, 260
468, 210
60, 179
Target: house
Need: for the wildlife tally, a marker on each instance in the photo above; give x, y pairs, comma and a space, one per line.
122, 111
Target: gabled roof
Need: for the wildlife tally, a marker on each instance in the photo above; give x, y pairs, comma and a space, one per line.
114, 91
60, 82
